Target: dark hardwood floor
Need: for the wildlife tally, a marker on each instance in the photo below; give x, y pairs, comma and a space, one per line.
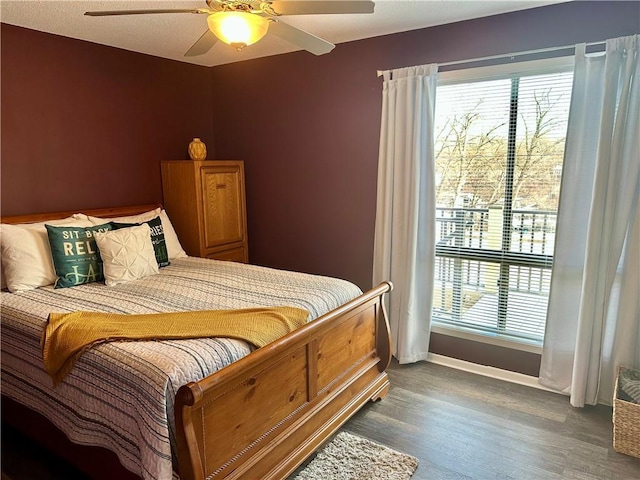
459, 425
466, 426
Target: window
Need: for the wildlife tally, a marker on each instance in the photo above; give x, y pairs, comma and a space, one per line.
499, 139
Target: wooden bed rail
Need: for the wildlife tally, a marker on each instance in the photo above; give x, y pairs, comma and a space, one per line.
261, 416
94, 212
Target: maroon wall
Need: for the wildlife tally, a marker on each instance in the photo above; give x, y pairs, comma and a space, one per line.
308, 127
84, 125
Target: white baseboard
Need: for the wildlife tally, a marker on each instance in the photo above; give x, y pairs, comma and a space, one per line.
487, 371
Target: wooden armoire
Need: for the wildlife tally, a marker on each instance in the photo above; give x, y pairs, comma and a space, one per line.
205, 201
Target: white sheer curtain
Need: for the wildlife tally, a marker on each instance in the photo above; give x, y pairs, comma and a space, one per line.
593, 321
404, 250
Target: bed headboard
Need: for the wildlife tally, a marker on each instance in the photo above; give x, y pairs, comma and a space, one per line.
96, 212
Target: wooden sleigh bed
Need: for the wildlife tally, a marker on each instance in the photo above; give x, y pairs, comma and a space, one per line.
263, 415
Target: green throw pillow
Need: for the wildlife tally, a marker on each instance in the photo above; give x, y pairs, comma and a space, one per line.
157, 238
75, 254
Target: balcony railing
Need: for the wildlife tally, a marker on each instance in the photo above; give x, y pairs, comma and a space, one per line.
533, 230
480, 262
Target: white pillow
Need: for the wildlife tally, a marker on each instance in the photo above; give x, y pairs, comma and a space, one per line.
26, 254
139, 218
174, 249
127, 254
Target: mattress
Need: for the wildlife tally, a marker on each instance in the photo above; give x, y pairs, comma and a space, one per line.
120, 395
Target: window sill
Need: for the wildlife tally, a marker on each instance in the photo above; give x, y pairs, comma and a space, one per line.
491, 339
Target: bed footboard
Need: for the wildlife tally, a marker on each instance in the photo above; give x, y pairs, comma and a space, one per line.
263, 415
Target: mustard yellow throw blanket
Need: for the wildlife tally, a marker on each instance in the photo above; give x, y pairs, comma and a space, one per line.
67, 335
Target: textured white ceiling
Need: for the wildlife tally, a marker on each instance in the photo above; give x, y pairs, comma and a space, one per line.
170, 35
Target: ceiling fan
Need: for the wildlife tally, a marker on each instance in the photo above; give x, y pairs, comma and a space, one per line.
243, 22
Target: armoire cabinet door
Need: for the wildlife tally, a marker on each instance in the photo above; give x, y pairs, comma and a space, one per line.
223, 206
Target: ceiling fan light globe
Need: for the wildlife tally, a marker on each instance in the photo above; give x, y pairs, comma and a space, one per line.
235, 28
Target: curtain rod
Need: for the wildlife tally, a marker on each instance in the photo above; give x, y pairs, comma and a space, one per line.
510, 55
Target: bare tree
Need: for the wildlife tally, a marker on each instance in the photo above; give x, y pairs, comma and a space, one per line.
467, 156
472, 154
539, 153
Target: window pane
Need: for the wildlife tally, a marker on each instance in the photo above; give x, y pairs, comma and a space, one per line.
467, 300
499, 152
471, 134
527, 301
543, 112
466, 295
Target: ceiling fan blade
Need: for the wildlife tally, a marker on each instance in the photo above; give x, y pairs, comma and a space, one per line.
303, 39
202, 45
293, 7
144, 12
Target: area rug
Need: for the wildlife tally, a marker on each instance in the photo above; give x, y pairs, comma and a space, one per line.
349, 457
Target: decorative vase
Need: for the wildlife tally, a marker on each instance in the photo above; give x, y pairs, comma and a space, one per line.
197, 150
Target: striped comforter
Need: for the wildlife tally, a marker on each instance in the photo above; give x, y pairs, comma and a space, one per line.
120, 395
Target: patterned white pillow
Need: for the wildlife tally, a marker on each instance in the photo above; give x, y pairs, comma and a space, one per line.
174, 249
127, 254
26, 255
